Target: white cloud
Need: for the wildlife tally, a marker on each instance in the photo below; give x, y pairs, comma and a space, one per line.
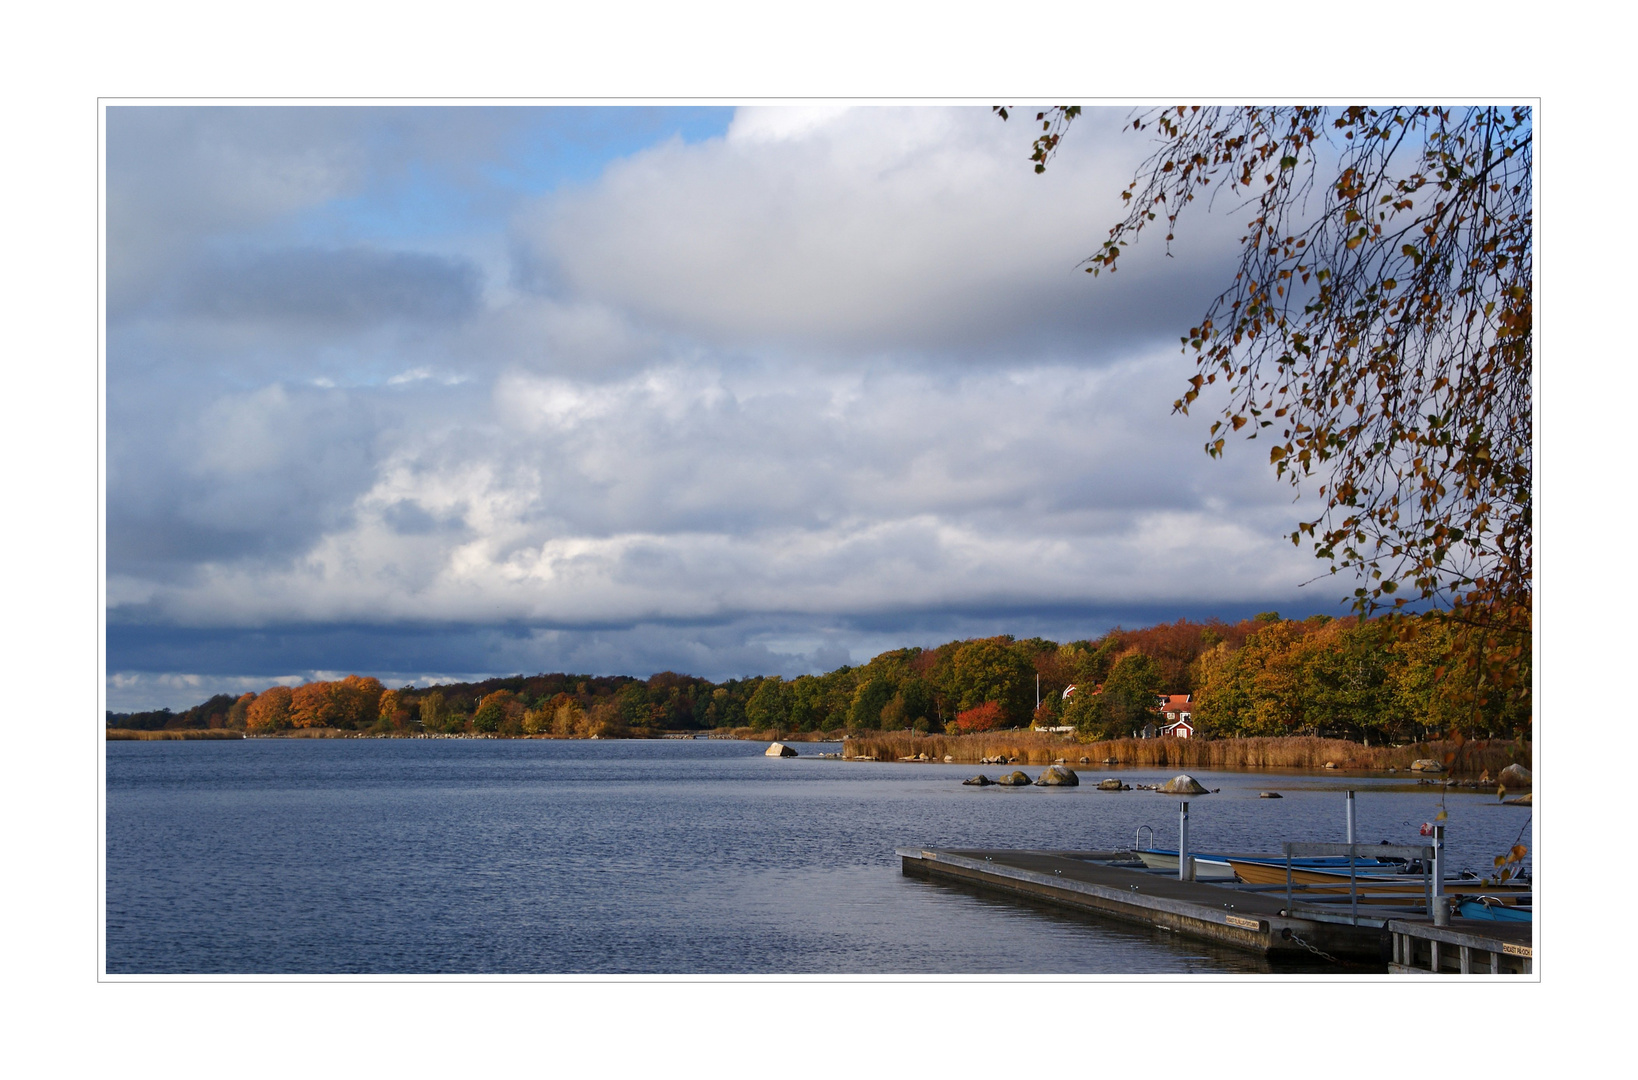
835, 366
866, 228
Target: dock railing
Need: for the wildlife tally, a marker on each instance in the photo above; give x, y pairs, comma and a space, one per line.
1354, 853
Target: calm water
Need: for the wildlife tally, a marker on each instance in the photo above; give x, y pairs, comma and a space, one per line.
491, 856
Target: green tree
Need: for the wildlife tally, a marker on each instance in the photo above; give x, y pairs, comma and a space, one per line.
433, 711
769, 705
1126, 704
987, 669
871, 694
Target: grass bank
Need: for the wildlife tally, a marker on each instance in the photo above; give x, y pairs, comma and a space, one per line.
1293, 752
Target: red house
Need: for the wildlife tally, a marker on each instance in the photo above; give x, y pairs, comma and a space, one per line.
1178, 710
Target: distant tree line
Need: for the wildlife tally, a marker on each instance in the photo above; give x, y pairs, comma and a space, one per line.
1370, 680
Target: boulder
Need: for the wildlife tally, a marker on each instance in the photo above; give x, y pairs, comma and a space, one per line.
1183, 784
1330, 764
1110, 784
1016, 778
979, 781
1057, 776
1514, 776
1522, 800
1269, 795
1426, 765
779, 749
1086, 761
948, 759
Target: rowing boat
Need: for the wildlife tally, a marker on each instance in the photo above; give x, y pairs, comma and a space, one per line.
1206, 867
1263, 873
1494, 909
1217, 867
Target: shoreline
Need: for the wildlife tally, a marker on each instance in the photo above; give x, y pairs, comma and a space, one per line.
1473, 758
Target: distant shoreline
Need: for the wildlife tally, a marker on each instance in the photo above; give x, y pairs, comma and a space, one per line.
1472, 758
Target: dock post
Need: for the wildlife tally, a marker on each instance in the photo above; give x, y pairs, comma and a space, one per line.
1441, 914
1350, 817
1185, 865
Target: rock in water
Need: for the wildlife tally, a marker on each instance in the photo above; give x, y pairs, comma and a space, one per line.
1183, 784
779, 749
1110, 784
979, 781
1016, 778
1514, 776
1057, 776
1426, 765
1269, 795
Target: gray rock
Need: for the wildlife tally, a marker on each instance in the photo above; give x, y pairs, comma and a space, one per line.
1183, 784
1111, 784
979, 781
1269, 795
1016, 778
1086, 761
1426, 765
1057, 776
1514, 776
779, 749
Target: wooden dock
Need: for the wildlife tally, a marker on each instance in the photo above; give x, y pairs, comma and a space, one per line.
1085, 881
1252, 918
1464, 947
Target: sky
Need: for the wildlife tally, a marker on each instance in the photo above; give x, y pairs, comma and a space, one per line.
437, 393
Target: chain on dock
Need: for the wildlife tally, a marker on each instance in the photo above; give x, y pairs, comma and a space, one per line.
1321, 953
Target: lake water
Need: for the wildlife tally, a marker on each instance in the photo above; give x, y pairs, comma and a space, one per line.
631, 857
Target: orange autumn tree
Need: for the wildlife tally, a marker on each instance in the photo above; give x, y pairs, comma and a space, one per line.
352, 702
270, 711
985, 717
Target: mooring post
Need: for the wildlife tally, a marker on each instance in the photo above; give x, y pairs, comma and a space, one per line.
1185, 865
1441, 914
1350, 805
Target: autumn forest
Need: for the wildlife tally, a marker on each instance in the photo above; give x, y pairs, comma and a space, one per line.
1371, 681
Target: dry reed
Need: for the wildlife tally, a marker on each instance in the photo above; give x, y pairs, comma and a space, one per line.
1290, 752
132, 735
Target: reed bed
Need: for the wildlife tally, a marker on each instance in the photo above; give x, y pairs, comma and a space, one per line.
1290, 752
754, 735
132, 735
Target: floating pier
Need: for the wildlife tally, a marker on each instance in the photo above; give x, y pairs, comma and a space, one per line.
1464, 947
1256, 919
1087, 881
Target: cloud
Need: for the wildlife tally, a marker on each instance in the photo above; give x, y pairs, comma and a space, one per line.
801, 391
334, 289
689, 493
868, 229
